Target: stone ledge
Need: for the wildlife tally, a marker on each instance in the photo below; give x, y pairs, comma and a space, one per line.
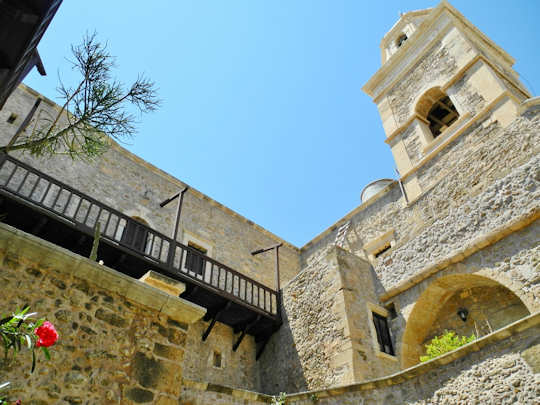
236, 393
163, 283
530, 321
32, 249
529, 104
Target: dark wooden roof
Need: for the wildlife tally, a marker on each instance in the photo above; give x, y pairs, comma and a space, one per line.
22, 24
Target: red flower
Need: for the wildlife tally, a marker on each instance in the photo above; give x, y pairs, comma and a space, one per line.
47, 335
18, 402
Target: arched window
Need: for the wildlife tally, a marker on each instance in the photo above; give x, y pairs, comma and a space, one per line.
402, 38
437, 108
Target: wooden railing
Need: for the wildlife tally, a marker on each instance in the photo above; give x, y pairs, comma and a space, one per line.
175, 259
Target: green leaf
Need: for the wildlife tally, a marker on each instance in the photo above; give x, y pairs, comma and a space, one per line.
46, 352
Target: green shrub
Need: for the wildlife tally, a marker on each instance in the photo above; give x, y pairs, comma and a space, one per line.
445, 343
279, 399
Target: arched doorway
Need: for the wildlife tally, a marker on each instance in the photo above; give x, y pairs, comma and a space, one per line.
488, 305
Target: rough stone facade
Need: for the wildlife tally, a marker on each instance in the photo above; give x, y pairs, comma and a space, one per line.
112, 347
499, 375
459, 230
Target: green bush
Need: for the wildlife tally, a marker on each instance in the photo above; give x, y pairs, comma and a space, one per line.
445, 343
279, 399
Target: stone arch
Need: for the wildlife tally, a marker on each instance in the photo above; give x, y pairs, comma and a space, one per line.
435, 310
437, 109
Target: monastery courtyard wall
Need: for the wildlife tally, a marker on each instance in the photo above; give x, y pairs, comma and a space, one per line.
126, 342
458, 230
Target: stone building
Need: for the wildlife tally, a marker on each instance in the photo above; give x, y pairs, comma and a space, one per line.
451, 245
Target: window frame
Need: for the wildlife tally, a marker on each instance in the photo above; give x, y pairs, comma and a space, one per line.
380, 312
194, 260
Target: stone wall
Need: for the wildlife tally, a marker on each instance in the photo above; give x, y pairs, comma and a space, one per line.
326, 339
509, 265
304, 347
121, 341
495, 370
134, 187
469, 193
507, 200
468, 190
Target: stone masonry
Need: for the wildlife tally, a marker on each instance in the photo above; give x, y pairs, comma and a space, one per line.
458, 229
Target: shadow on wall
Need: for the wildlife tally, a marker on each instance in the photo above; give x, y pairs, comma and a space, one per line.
280, 367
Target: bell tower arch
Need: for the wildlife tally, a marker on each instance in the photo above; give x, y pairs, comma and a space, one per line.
439, 75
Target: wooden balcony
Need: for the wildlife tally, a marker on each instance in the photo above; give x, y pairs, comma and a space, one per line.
39, 204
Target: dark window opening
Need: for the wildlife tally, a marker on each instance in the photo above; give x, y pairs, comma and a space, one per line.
216, 361
443, 113
135, 235
391, 308
383, 334
401, 40
11, 119
386, 248
195, 258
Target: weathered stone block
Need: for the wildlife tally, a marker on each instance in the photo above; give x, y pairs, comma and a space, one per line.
110, 317
168, 352
139, 395
146, 370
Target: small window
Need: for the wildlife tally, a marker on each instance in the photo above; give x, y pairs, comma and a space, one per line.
391, 308
385, 248
135, 234
402, 38
11, 119
195, 258
441, 116
383, 334
217, 360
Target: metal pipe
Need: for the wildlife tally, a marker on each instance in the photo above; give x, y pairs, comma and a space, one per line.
401, 187
266, 249
179, 210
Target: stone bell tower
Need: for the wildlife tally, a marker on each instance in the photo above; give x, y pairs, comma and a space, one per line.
439, 77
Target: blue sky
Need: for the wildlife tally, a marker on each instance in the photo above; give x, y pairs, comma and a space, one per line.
262, 102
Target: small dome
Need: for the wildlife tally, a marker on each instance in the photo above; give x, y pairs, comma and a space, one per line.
373, 188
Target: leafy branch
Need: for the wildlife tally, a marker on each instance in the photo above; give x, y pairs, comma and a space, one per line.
93, 110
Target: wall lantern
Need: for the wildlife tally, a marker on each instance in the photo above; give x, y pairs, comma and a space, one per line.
463, 313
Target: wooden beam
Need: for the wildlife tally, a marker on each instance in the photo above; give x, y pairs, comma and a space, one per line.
245, 330
214, 319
